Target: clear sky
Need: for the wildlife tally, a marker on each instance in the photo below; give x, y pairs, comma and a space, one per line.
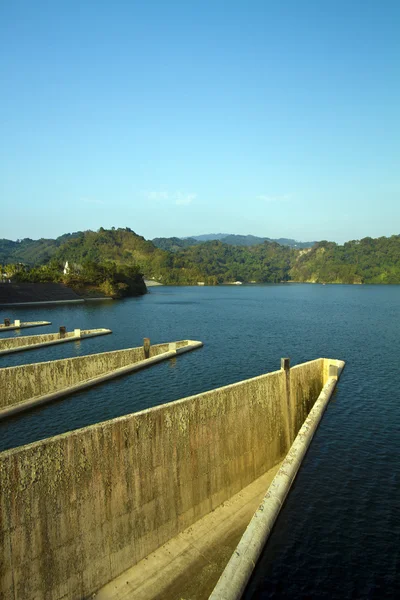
274, 118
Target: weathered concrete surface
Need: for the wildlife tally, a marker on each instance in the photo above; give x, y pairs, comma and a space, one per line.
151, 282
25, 293
30, 342
80, 508
189, 565
239, 569
23, 325
26, 386
47, 302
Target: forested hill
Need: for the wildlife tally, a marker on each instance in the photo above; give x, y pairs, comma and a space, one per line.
173, 244
360, 261
366, 261
218, 262
31, 252
211, 262
122, 246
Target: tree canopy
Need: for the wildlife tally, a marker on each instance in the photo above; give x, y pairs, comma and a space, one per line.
113, 251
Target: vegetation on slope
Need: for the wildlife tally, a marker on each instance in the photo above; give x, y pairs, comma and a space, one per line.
121, 253
253, 240
31, 252
174, 244
88, 279
359, 261
216, 262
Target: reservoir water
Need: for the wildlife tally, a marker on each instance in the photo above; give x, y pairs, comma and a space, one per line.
338, 534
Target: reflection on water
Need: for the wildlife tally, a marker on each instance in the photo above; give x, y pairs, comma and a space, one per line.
338, 535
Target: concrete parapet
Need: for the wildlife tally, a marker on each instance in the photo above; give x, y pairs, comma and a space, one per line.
26, 386
80, 508
18, 325
239, 569
30, 342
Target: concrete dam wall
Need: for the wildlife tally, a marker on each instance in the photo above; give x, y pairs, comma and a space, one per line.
30, 342
30, 293
21, 325
26, 382
80, 508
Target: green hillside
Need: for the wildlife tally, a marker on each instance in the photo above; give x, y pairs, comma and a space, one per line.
122, 246
365, 261
31, 252
217, 262
359, 261
173, 244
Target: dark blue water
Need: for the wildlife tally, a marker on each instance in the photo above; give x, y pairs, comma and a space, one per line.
338, 534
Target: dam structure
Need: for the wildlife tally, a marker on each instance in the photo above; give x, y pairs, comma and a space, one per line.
30, 342
30, 294
27, 386
154, 504
8, 326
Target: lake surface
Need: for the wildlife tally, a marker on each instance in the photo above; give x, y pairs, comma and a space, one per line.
338, 534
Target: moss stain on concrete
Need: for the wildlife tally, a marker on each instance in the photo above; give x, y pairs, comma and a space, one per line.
95, 501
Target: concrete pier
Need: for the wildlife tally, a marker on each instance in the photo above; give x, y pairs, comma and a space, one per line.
18, 325
27, 386
239, 569
20, 344
81, 508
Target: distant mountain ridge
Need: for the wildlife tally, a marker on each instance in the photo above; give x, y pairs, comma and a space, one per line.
173, 244
249, 240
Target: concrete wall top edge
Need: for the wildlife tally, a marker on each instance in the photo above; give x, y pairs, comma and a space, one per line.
340, 364
307, 362
225, 387
237, 572
47, 335
109, 352
22, 325
337, 361
187, 399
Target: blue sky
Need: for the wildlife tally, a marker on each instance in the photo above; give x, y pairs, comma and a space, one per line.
276, 118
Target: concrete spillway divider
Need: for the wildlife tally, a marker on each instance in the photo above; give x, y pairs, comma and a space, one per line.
239, 569
87, 506
59, 378
18, 325
20, 344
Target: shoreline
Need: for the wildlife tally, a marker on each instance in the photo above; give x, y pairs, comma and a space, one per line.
45, 302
